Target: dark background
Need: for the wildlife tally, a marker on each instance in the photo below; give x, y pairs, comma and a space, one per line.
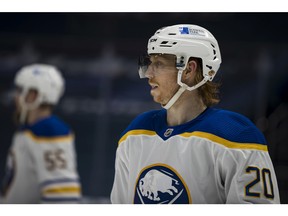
97, 53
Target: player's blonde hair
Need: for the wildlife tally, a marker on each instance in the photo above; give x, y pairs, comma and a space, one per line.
210, 90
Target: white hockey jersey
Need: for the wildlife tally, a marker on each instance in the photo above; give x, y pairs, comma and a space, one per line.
41, 166
219, 157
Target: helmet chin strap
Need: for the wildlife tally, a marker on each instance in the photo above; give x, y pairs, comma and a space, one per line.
182, 88
174, 98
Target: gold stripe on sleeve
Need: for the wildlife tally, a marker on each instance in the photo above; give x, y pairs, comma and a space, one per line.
226, 143
60, 190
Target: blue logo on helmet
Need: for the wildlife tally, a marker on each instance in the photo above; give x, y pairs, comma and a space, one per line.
184, 30
161, 184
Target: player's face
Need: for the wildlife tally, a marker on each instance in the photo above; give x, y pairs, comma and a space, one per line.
162, 75
30, 97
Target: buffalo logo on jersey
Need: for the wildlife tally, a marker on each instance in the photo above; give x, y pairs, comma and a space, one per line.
160, 184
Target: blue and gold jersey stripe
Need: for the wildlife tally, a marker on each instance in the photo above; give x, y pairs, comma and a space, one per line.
205, 135
59, 181
54, 139
136, 132
61, 191
225, 142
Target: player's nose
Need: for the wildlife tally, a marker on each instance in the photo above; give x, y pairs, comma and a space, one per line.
150, 72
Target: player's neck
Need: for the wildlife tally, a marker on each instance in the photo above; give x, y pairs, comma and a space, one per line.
185, 109
38, 114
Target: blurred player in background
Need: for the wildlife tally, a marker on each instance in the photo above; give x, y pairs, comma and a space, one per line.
189, 152
41, 166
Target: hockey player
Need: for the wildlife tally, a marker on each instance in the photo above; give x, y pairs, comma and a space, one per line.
189, 152
41, 166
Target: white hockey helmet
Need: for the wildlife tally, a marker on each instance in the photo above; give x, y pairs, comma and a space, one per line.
185, 41
45, 79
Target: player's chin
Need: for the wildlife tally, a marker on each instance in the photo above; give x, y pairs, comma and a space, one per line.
157, 99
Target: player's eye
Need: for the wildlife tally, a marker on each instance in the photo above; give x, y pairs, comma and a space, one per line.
158, 64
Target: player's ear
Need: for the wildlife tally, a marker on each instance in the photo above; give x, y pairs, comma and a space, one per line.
190, 71
191, 67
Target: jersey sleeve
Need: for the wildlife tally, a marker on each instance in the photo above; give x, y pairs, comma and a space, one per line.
243, 166
246, 174
119, 193
54, 161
